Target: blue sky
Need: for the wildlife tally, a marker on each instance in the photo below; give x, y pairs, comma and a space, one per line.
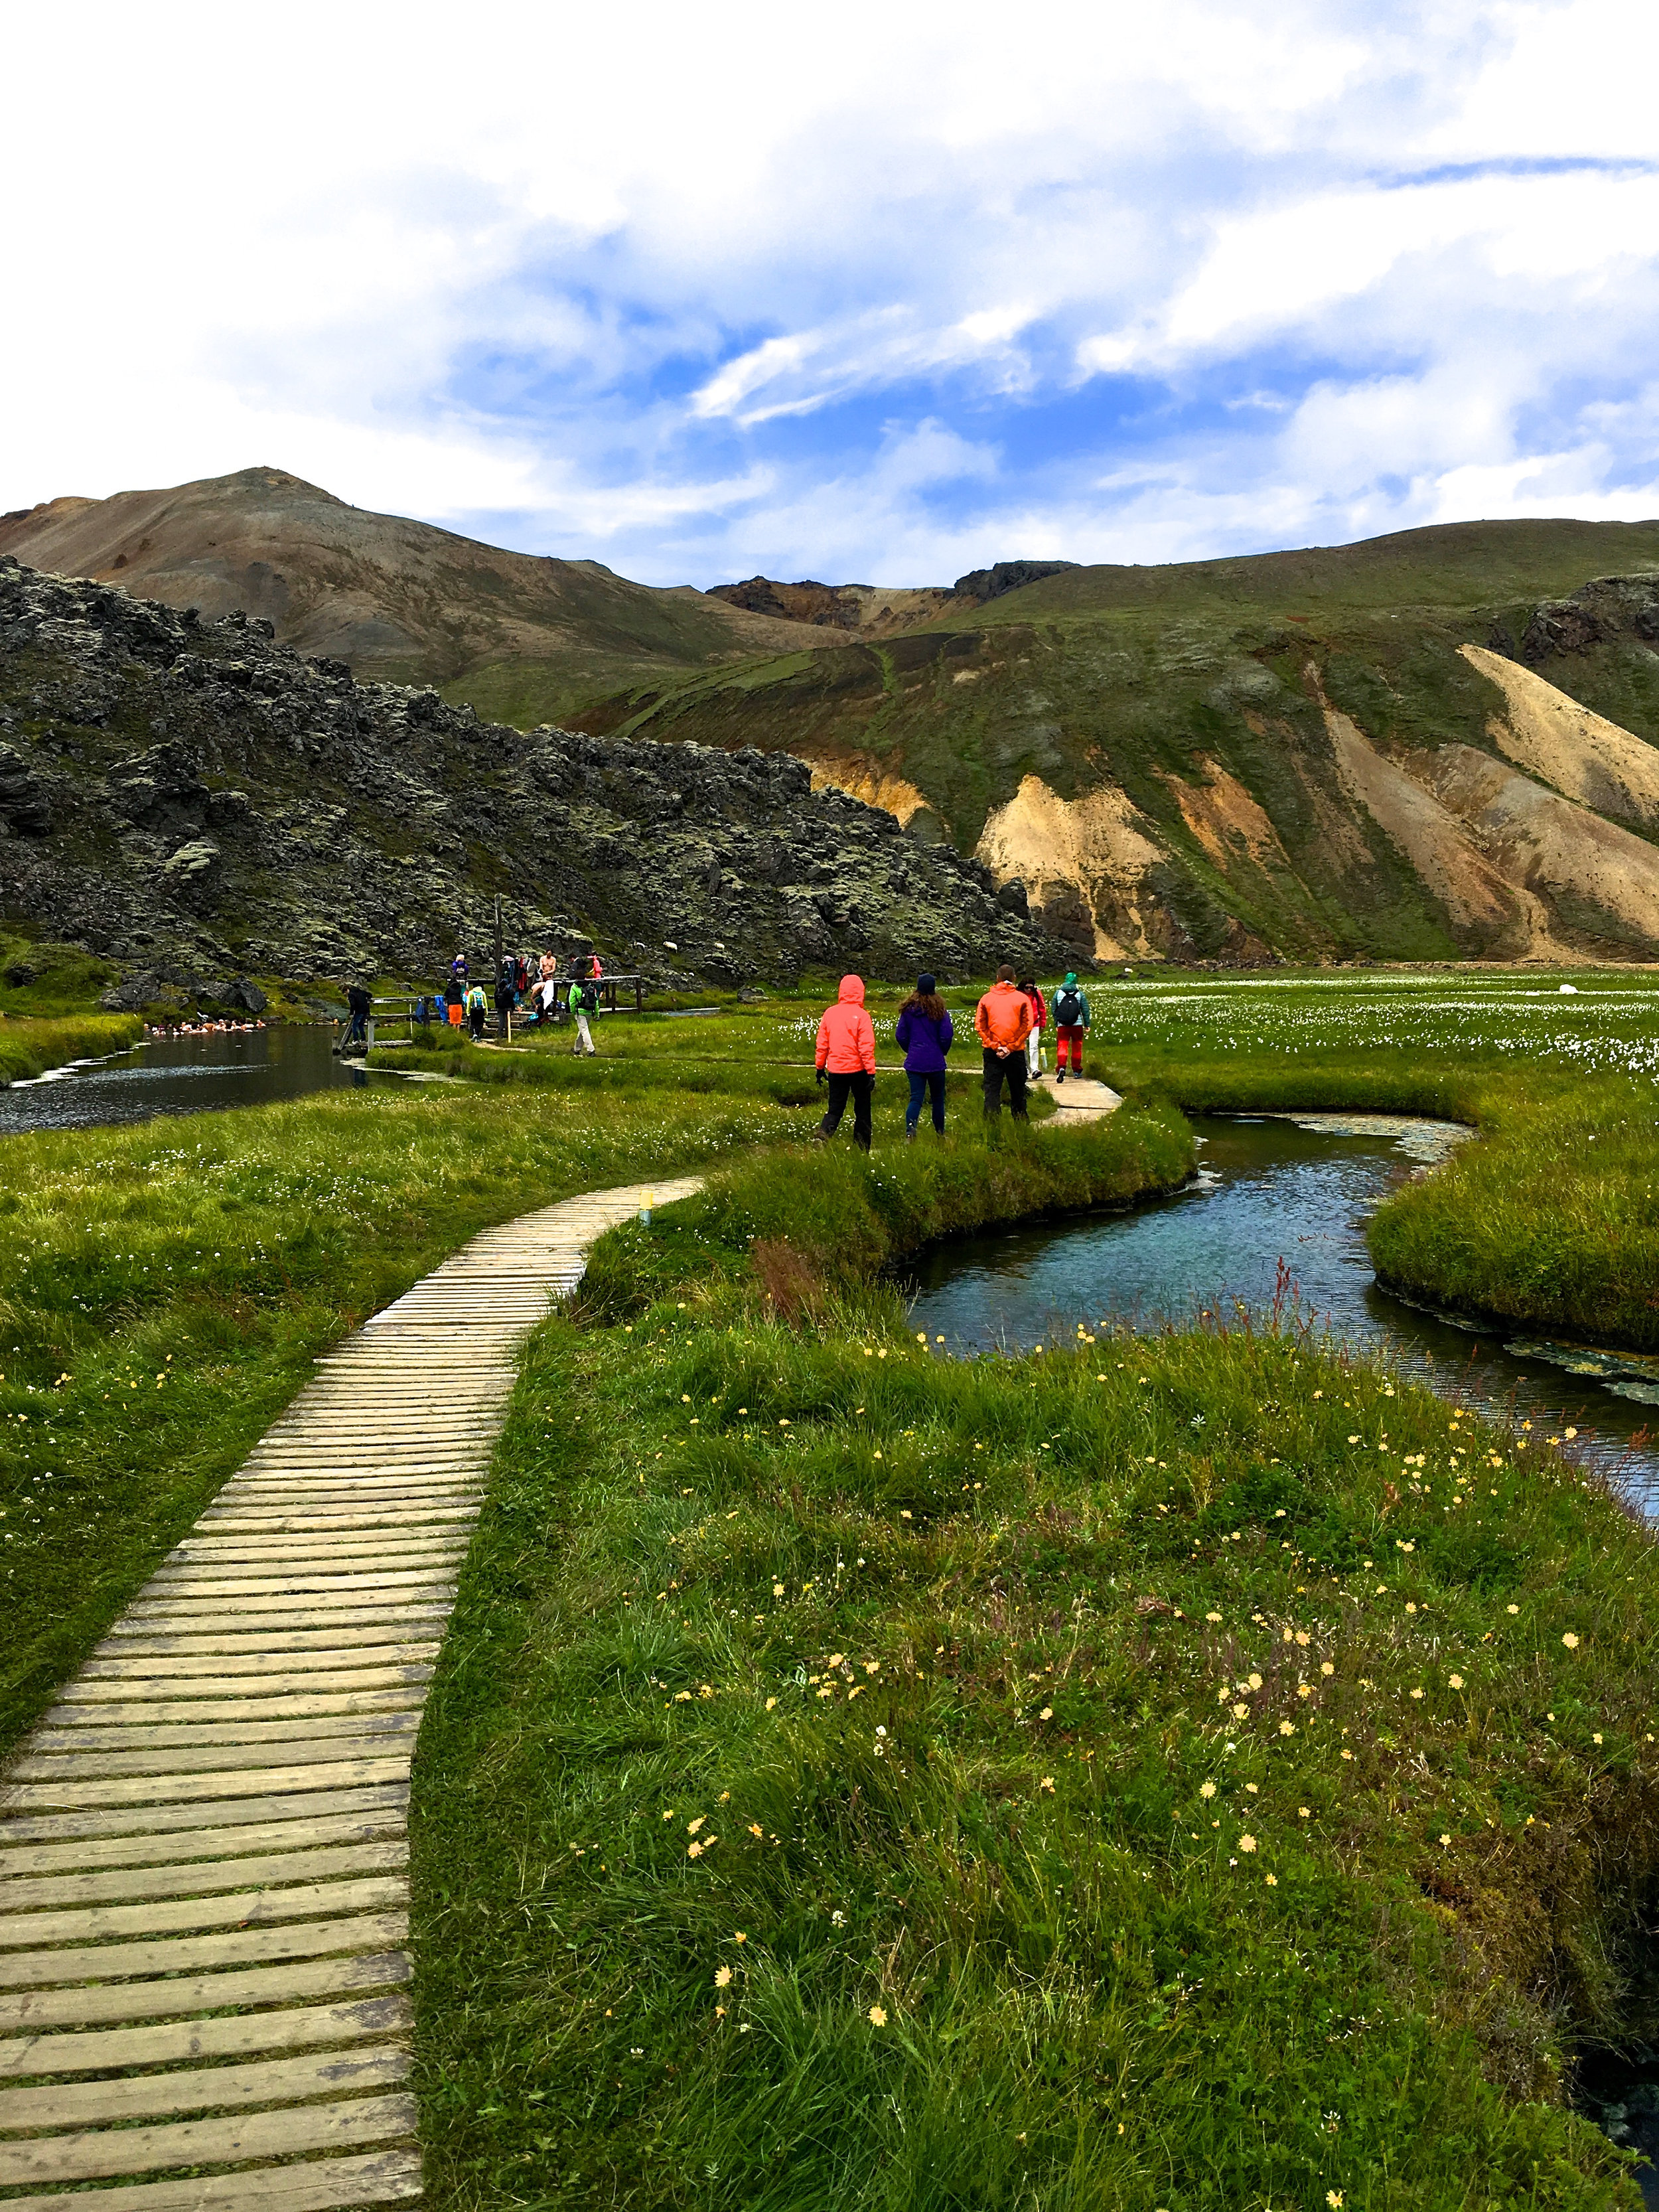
874, 299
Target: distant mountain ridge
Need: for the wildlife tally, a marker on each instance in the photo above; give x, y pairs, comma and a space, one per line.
398, 600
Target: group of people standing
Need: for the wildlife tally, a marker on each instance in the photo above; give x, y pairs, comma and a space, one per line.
1009, 1022
535, 988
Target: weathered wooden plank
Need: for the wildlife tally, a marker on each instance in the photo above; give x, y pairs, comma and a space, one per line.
407, 1531
201, 1587
163, 1712
198, 1877
217, 1806
129, 1791
268, 1655
371, 1479
178, 1954
332, 1686
237, 1908
155, 1833
285, 2133
286, 1519
195, 1583
286, 1982
407, 1538
317, 2185
236, 2035
192, 1733
337, 1489
389, 1611
82, 2104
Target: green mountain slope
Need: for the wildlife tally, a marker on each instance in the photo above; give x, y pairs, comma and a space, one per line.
1291, 753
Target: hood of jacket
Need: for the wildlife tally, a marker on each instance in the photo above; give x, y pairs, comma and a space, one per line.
851, 992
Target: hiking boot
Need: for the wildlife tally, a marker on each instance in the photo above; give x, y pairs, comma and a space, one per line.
909, 1136
1060, 1075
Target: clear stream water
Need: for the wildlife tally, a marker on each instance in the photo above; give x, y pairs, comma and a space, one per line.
1296, 1189
179, 1075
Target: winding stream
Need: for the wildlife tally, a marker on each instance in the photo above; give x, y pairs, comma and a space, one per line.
1296, 1189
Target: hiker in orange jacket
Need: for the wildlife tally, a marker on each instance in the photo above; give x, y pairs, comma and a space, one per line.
846, 1061
1003, 1023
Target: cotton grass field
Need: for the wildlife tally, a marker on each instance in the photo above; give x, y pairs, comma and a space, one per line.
1593, 1021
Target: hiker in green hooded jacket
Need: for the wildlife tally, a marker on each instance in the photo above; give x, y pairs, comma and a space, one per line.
1070, 1009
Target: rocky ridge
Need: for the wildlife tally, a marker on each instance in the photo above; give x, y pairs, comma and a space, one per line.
194, 800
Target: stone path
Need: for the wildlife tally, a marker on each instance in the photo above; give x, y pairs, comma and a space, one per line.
203, 1846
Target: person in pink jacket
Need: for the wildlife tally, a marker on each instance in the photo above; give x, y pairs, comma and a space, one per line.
846, 1061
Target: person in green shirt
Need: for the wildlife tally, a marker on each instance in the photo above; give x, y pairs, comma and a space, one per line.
1070, 1009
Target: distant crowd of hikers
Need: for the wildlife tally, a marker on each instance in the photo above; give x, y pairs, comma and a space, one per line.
1010, 1022
530, 989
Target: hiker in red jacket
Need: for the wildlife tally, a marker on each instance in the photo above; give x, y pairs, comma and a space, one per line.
846, 1061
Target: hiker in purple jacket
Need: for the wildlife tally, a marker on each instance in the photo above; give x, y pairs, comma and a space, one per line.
923, 1036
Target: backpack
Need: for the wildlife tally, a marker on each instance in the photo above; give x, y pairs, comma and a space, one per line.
588, 998
1068, 1010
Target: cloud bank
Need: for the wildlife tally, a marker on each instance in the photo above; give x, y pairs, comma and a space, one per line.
873, 299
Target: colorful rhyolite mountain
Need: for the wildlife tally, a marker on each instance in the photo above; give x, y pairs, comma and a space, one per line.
1440, 744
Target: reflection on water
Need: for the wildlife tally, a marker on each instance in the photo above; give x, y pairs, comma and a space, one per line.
179, 1075
1295, 1190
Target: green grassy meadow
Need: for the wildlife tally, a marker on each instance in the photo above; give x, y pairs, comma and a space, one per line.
1191, 1770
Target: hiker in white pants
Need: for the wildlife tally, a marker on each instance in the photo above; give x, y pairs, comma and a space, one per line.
584, 1001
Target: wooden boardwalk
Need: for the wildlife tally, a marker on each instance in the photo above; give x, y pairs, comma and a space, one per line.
204, 1847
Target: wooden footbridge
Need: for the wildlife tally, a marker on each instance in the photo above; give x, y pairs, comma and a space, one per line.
204, 1847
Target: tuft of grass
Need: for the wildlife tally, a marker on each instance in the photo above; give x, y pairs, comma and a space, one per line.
29, 1047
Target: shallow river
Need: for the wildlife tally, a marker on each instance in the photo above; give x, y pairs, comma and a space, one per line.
1296, 1190
179, 1075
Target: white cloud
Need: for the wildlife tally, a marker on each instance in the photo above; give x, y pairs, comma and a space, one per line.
708, 303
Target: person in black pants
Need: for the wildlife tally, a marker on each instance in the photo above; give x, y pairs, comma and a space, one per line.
1003, 1024
846, 1061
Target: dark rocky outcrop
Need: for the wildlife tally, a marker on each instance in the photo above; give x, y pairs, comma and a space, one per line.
197, 802
1607, 609
984, 584
821, 605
